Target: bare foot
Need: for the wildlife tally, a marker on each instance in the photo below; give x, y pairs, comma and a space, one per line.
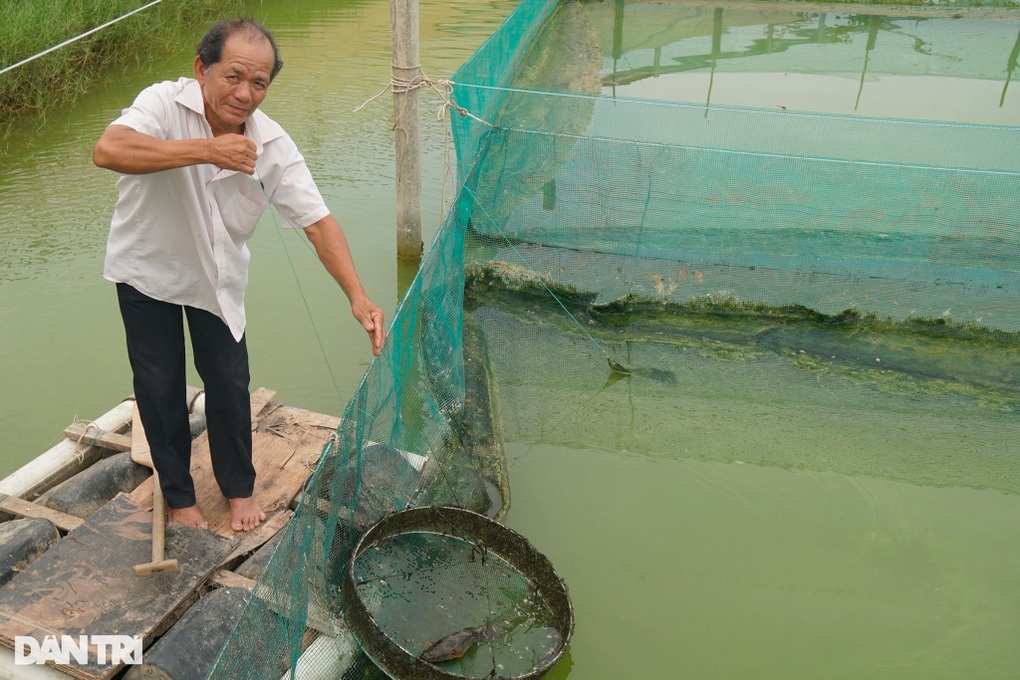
245, 514
189, 517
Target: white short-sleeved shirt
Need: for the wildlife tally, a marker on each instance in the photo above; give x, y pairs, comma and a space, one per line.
179, 235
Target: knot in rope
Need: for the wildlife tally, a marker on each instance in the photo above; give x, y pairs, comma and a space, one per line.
443, 88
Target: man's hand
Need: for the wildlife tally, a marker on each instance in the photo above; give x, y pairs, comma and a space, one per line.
371, 319
233, 152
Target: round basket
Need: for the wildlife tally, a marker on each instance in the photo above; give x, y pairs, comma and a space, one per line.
450, 579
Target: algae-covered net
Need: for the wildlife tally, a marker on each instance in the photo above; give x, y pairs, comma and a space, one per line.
788, 290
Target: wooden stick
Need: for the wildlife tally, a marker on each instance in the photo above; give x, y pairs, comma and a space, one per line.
140, 454
108, 440
23, 508
62, 460
158, 565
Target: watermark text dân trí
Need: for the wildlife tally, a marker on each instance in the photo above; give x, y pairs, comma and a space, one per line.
67, 649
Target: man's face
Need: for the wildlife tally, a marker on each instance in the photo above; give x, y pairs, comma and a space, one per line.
235, 86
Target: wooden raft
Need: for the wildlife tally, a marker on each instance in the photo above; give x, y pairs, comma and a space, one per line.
286, 443
85, 585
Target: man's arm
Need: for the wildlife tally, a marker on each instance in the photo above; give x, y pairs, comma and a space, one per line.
334, 253
125, 150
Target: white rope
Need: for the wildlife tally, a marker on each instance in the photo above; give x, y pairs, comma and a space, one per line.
79, 37
79, 454
444, 88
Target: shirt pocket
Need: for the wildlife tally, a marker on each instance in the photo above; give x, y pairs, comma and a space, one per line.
241, 213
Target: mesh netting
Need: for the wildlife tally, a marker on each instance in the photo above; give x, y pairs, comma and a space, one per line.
829, 270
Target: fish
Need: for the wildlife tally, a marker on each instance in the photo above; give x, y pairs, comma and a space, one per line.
456, 645
618, 370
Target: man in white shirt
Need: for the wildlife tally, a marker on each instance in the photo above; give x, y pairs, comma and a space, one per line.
199, 163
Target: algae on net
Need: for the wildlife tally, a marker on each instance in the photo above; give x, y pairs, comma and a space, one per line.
935, 355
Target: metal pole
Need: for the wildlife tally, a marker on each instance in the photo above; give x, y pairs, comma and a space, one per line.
405, 69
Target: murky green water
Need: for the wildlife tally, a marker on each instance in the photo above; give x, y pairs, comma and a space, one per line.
681, 568
755, 518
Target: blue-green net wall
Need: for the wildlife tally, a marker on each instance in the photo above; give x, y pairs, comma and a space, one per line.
781, 241
906, 218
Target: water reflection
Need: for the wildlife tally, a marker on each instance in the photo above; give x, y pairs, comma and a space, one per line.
1010, 65
772, 56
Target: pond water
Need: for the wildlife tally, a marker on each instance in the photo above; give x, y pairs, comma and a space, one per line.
62, 351
756, 519
948, 65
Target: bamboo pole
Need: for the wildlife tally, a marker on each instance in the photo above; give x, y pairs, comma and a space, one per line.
405, 70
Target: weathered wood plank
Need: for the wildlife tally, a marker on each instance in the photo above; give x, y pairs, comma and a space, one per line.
286, 444
259, 399
251, 541
228, 579
318, 619
80, 433
84, 585
23, 508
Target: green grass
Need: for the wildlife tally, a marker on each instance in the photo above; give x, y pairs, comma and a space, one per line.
28, 27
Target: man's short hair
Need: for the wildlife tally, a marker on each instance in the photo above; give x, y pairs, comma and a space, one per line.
210, 47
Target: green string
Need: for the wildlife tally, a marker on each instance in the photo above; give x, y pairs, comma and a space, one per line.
301, 292
616, 366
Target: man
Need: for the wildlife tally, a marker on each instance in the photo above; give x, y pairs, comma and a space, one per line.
199, 163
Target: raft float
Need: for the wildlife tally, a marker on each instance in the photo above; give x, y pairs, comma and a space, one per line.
79, 517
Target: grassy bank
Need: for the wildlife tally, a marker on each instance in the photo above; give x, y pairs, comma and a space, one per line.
32, 26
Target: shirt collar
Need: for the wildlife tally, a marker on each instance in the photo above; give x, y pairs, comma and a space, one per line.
190, 96
259, 127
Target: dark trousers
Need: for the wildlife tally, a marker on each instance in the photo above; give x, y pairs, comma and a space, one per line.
155, 343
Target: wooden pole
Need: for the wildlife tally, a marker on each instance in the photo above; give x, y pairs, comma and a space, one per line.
405, 70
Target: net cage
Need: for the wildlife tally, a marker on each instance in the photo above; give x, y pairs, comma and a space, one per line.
874, 263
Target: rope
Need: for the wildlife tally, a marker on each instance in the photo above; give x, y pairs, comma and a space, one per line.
301, 292
443, 88
77, 37
79, 454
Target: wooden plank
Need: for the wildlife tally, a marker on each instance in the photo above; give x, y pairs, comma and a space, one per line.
286, 445
84, 585
251, 541
259, 399
318, 619
23, 508
138, 444
228, 579
90, 435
